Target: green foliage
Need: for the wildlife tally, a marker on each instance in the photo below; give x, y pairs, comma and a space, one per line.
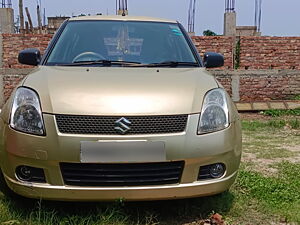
237, 55
282, 112
209, 33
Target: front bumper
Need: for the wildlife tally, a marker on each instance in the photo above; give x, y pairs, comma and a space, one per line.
48, 152
69, 193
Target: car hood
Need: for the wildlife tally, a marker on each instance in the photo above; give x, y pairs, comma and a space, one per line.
120, 91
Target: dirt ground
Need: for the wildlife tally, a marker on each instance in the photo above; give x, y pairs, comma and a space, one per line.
267, 147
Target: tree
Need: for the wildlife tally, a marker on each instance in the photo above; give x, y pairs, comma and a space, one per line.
209, 33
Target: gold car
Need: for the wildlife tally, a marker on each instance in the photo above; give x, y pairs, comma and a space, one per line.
119, 107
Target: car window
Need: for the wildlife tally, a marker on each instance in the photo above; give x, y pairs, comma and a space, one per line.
143, 42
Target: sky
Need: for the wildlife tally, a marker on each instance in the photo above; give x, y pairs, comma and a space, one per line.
279, 18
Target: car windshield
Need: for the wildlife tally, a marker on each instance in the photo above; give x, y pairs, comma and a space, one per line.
123, 43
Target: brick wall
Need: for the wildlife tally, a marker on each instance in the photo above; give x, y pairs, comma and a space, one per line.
260, 85
14, 43
10, 82
270, 53
11, 78
225, 80
220, 44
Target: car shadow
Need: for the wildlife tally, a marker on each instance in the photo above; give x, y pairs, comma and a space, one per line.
185, 210
165, 212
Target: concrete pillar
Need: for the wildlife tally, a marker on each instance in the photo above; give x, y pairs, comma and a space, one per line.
235, 87
230, 24
6, 20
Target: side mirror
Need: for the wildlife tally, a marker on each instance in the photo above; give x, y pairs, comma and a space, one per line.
30, 56
213, 60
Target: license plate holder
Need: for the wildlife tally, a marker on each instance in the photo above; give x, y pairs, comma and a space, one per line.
122, 151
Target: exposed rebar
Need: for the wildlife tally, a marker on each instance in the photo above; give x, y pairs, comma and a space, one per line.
191, 16
229, 5
258, 14
121, 6
6, 4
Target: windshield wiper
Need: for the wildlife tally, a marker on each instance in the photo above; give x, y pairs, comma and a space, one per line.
129, 63
100, 62
170, 64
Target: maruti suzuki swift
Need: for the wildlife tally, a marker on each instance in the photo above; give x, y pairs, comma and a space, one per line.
119, 107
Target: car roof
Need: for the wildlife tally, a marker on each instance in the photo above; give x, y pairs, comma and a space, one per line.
122, 18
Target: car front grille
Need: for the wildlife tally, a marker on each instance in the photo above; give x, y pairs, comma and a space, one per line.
105, 125
126, 174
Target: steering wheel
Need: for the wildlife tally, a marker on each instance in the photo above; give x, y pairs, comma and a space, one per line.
88, 56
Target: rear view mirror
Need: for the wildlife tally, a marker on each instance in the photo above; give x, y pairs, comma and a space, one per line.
30, 56
213, 60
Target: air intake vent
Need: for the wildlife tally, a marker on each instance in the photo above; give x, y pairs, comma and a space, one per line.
132, 174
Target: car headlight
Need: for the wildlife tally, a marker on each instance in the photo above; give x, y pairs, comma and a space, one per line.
26, 114
214, 115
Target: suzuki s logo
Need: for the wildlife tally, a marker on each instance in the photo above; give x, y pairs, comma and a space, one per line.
122, 126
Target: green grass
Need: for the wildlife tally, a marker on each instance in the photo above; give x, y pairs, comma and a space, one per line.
282, 112
295, 124
270, 124
36, 212
273, 153
158, 212
280, 195
274, 186
256, 125
296, 97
